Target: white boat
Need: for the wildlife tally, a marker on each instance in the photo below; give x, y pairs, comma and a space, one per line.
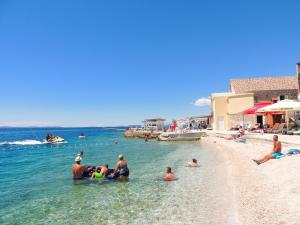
188, 135
81, 137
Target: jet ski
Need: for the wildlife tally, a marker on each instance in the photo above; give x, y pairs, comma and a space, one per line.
55, 139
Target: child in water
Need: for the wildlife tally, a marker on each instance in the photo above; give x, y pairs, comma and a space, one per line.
170, 175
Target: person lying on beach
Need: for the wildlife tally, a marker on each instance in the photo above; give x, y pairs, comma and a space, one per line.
169, 175
101, 172
193, 163
276, 152
122, 167
78, 169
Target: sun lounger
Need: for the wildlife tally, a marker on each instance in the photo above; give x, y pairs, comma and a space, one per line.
279, 129
270, 130
296, 132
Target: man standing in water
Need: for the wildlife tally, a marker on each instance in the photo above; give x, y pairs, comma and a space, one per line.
78, 169
275, 154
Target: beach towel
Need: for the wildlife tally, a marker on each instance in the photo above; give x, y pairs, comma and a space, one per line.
293, 151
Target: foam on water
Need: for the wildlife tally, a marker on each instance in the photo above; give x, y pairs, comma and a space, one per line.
23, 142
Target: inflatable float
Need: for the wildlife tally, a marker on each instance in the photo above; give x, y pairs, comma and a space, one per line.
111, 174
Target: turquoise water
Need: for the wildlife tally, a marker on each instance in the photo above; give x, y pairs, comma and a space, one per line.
36, 185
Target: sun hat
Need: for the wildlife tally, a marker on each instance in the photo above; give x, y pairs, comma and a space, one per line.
121, 156
78, 159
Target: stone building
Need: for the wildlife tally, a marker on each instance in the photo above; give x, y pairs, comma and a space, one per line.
268, 88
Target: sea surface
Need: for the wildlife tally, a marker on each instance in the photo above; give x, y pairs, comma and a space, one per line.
36, 185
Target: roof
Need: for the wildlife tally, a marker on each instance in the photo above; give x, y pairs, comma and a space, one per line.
264, 84
154, 119
231, 94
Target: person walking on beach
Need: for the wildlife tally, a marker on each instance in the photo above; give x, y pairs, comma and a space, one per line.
276, 152
169, 175
78, 169
122, 167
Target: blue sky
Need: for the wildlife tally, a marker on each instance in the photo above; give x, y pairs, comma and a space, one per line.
83, 63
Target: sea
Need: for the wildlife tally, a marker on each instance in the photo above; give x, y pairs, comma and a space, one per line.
36, 185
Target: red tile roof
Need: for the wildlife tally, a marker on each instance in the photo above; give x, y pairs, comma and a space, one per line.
264, 84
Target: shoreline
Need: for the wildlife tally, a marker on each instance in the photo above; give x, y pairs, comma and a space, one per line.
265, 194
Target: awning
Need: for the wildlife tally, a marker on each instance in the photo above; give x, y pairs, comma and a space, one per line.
254, 109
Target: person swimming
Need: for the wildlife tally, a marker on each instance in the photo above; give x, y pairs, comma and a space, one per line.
193, 163
122, 167
169, 175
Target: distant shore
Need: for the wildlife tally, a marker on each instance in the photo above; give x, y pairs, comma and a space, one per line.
268, 194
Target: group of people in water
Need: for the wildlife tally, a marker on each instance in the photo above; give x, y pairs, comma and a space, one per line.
121, 170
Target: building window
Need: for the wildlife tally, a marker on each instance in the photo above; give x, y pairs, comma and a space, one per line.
281, 97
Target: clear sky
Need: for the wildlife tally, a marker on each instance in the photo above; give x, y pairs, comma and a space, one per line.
99, 62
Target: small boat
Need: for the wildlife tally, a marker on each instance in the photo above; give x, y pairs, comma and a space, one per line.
190, 135
81, 136
56, 139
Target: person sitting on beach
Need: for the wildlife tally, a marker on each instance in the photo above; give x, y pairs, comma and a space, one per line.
78, 169
169, 175
276, 152
122, 167
193, 163
101, 172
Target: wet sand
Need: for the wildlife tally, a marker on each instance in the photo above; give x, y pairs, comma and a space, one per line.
268, 194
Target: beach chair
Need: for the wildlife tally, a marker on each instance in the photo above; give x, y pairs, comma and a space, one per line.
289, 129
280, 129
275, 127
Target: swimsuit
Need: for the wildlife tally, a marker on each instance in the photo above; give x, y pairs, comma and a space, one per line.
277, 155
124, 170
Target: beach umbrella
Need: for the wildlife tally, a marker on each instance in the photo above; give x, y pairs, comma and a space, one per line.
284, 105
257, 106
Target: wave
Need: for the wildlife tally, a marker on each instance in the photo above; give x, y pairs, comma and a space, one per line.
22, 142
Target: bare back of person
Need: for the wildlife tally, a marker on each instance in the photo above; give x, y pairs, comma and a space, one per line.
277, 146
78, 171
104, 171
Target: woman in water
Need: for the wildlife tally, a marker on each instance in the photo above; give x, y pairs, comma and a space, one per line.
170, 175
122, 167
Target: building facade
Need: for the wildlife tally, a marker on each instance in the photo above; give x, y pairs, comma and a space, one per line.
228, 107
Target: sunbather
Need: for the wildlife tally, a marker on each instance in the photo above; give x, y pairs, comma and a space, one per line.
275, 154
